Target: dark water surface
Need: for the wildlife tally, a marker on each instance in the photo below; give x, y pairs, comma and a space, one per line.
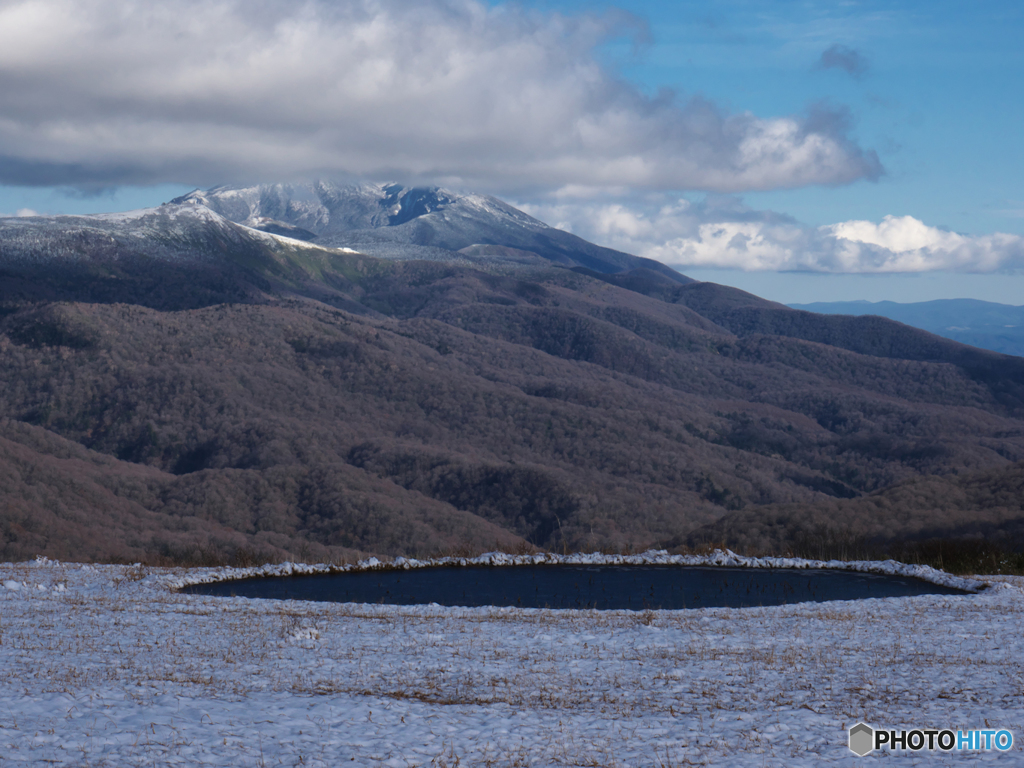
636, 587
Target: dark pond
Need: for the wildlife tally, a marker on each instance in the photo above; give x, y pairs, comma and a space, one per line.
636, 587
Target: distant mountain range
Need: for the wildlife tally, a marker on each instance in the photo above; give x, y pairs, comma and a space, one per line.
985, 324
322, 371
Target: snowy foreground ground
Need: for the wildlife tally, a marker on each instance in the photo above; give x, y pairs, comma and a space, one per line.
108, 666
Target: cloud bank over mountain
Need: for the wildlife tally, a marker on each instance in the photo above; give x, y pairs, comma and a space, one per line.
98, 92
722, 232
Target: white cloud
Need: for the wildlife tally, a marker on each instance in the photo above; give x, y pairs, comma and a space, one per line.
905, 244
896, 233
454, 91
721, 232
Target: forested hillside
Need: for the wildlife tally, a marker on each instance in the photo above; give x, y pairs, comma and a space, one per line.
286, 400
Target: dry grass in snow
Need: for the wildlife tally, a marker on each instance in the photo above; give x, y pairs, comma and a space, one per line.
106, 666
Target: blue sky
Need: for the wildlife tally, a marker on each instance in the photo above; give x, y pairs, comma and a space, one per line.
935, 88
913, 111
941, 96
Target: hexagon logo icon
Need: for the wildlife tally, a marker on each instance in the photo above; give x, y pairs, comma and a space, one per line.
862, 739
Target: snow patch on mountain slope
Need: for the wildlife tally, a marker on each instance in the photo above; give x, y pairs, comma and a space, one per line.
186, 233
328, 208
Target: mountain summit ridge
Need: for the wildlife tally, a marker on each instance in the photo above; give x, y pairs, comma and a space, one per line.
432, 223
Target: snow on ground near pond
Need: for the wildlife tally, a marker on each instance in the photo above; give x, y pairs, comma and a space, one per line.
725, 558
108, 666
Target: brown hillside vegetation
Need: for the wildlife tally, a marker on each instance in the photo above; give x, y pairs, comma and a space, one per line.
449, 406
978, 507
68, 502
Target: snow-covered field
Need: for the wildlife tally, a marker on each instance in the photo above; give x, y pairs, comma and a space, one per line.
107, 665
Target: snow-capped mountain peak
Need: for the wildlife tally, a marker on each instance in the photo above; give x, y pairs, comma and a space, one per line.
397, 222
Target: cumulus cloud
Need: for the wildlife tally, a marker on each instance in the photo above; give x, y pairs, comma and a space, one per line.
107, 92
841, 57
905, 244
722, 232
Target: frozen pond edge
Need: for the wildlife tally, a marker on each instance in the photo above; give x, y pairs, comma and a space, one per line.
722, 558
